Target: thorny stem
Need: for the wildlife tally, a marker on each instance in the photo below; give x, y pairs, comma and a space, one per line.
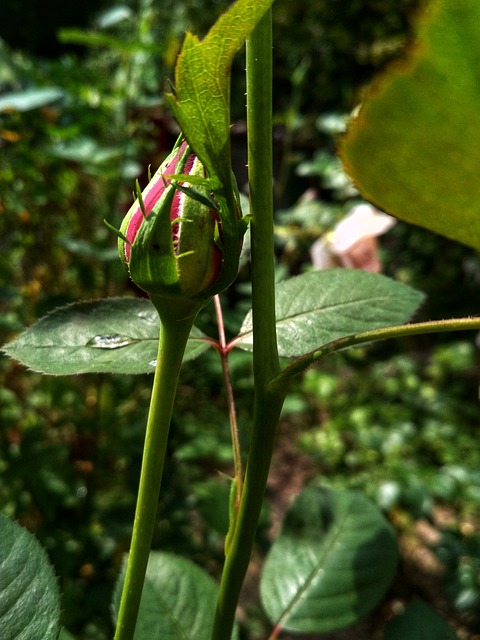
398, 331
267, 403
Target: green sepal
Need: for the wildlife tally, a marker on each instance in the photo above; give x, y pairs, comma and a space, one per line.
195, 241
116, 231
243, 224
138, 192
231, 237
196, 195
152, 263
211, 184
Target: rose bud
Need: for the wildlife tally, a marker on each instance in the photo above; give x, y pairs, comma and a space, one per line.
171, 239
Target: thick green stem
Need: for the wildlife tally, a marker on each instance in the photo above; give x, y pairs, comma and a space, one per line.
173, 339
267, 404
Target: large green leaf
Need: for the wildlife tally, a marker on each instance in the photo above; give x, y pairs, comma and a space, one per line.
414, 147
332, 563
178, 600
116, 335
317, 307
202, 84
29, 596
419, 622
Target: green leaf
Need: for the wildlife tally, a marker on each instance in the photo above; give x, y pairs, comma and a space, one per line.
317, 307
201, 102
414, 148
95, 39
419, 622
115, 335
29, 596
30, 99
85, 149
332, 563
178, 600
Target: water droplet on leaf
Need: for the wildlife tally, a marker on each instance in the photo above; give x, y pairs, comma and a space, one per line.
113, 341
152, 363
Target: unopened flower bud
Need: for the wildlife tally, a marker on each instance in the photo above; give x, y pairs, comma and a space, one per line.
171, 238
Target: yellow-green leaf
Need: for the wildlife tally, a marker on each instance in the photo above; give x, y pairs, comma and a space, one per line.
414, 147
202, 84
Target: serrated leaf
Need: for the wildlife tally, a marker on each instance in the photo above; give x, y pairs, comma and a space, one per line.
414, 148
178, 600
115, 335
29, 596
419, 622
331, 564
201, 102
315, 308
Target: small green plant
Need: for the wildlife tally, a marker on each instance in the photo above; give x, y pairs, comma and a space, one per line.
336, 554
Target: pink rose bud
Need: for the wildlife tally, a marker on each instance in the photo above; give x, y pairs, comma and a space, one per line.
171, 238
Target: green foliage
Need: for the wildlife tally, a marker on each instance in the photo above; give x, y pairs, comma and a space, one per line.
69, 460
29, 597
318, 307
446, 271
331, 564
30, 99
419, 622
459, 550
120, 335
178, 600
431, 96
201, 102
398, 420
402, 430
348, 43
78, 135
201, 105
117, 335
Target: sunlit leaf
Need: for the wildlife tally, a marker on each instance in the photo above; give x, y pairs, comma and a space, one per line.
113, 16
414, 147
113, 43
84, 149
317, 307
30, 99
331, 564
116, 335
201, 102
29, 596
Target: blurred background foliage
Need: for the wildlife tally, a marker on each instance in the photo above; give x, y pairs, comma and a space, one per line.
81, 116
